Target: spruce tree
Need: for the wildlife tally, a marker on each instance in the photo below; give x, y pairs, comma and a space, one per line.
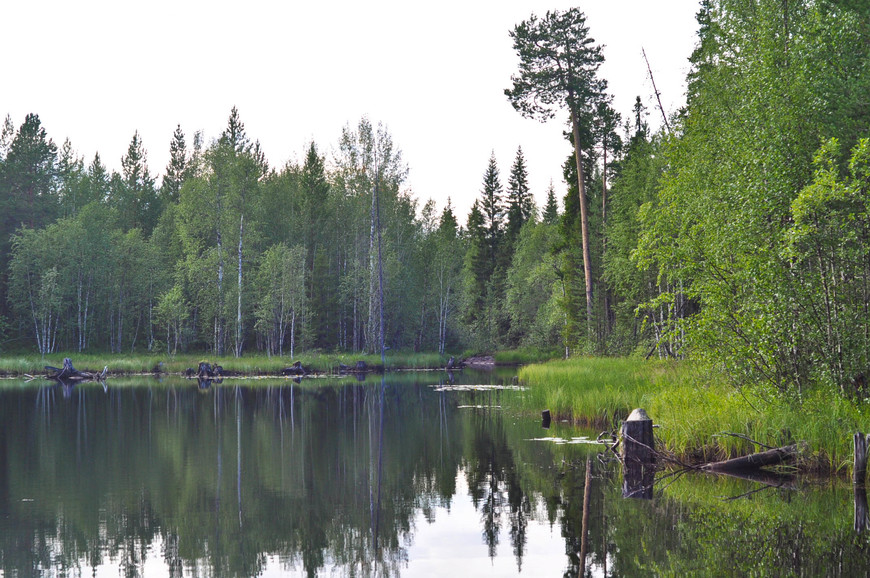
520, 204
176, 169
551, 208
492, 210
134, 196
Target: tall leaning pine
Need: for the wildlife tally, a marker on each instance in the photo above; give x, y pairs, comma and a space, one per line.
558, 69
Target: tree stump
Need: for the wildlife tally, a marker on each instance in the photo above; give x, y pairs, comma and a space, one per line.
637, 438
638, 456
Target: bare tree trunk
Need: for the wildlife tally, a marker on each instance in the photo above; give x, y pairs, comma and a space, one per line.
293, 333
370, 329
219, 314
238, 344
584, 219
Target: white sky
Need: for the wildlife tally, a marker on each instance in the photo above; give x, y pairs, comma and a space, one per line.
95, 71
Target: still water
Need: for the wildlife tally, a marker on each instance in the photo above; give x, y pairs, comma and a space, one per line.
346, 478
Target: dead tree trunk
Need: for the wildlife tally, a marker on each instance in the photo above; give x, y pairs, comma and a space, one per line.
758, 460
68, 373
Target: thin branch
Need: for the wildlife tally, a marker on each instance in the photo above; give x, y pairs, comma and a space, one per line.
741, 436
656, 90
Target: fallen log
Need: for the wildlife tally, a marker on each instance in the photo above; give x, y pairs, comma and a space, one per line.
68, 373
772, 457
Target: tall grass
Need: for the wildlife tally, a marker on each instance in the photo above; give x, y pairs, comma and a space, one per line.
697, 412
590, 389
526, 355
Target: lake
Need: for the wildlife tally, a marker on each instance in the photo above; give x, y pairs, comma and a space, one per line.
423, 476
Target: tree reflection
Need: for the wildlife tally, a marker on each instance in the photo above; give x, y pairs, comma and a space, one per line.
334, 479
493, 483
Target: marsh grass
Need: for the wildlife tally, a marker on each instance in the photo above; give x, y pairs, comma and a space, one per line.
697, 411
526, 355
246, 365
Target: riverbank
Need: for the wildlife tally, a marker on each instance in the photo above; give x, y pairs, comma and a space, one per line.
700, 416
250, 365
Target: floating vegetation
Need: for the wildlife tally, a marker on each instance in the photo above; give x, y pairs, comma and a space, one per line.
478, 407
478, 387
568, 441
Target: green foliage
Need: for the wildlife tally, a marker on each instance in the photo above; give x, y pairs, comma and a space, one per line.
533, 293
730, 232
828, 246
558, 62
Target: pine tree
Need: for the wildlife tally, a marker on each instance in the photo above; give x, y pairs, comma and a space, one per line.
558, 69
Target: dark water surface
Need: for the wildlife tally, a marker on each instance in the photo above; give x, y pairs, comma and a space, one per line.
342, 478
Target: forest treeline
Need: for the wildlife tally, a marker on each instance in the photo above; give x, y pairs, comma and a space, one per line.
736, 233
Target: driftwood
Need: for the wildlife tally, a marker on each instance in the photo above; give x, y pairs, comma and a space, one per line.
772, 457
295, 369
68, 373
205, 370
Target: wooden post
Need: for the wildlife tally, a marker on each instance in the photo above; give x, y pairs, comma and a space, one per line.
637, 438
545, 419
638, 456
859, 471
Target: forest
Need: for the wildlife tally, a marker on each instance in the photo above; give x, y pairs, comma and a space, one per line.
737, 234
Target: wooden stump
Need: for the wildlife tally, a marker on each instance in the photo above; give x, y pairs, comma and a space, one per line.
637, 438
545, 419
638, 456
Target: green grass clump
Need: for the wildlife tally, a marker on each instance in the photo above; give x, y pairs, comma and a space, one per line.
589, 389
526, 355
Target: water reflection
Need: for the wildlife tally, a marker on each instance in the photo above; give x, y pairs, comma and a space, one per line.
369, 478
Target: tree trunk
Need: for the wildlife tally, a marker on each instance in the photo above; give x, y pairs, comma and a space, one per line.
772, 457
238, 344
584, 219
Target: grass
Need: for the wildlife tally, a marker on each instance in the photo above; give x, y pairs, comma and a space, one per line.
526, 355
697, 411
34, 364
248, 364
